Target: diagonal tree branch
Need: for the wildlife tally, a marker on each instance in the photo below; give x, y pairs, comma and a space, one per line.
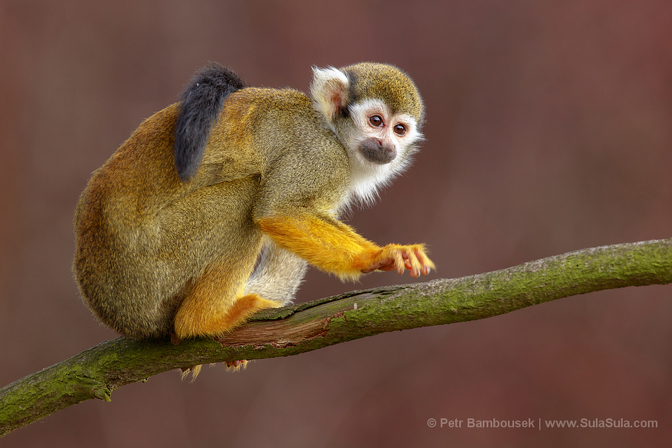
291, 330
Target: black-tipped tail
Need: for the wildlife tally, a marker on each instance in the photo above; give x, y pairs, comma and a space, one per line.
202, 99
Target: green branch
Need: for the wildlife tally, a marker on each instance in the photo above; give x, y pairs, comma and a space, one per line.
291, 330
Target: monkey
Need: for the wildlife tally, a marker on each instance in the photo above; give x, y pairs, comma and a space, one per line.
215, 206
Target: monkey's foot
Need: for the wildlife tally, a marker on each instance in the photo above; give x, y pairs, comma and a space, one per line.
193, 320
234, 366
194, 370
231, 366
396, 257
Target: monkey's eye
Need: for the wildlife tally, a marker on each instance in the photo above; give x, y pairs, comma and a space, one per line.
400, 130
376, 121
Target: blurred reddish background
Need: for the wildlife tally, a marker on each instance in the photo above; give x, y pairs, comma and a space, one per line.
549, 129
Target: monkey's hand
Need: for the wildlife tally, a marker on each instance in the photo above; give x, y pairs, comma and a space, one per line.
396, 257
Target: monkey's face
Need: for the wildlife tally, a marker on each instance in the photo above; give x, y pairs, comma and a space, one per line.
379, 136
373, 110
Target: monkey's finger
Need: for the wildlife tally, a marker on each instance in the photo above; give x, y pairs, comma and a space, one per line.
388, 267
384, 262
174, 339
399, 260
427, 264
406, 255
413, 261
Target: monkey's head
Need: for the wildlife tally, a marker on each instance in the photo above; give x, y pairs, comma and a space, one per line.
376, 112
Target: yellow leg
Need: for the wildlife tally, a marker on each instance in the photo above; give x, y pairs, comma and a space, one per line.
216, 304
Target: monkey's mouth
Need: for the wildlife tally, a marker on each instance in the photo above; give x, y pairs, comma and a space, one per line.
377, 152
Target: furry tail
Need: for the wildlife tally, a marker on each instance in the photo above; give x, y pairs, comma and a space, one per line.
202, 99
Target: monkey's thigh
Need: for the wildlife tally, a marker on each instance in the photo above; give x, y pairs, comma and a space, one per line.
210, 236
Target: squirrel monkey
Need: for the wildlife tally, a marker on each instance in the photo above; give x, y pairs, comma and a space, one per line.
170, 228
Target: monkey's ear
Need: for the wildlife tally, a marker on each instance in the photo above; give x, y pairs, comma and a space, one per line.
330, 89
